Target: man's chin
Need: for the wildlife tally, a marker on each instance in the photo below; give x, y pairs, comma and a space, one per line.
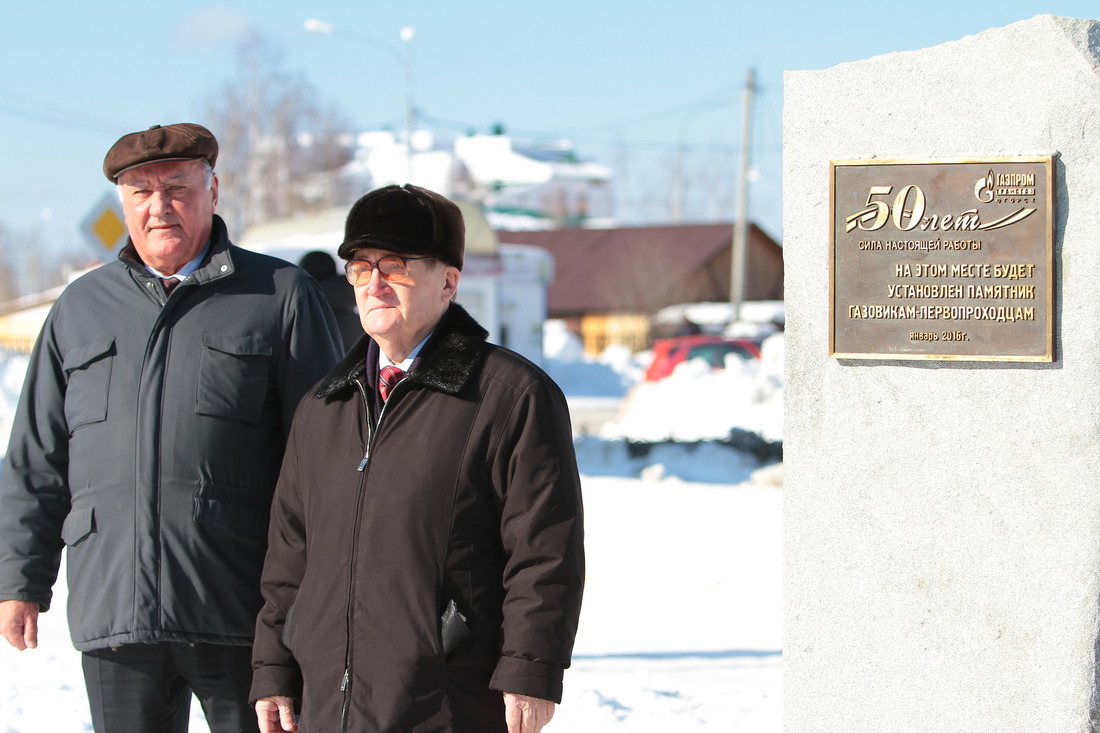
165, 242
160, 253
380, 322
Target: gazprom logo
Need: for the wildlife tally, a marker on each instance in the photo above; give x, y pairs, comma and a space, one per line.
983, 188
995, 186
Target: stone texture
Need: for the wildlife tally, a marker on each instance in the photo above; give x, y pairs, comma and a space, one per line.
942, 519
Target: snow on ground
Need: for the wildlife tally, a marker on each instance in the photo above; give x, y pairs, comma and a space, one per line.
682, 622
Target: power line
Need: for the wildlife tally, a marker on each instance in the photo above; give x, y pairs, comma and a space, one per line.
668, 111
713, 100
37, 110
658, 145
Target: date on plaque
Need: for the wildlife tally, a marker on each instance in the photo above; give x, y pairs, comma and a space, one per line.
942, 259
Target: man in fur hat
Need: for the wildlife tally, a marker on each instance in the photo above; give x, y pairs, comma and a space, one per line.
426, 555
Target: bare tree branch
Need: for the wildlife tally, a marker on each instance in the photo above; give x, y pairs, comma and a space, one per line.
281, 149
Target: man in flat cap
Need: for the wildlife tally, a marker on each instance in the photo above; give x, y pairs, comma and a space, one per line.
426, 558
147, 444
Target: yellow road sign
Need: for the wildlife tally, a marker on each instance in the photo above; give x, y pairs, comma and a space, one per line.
104, 228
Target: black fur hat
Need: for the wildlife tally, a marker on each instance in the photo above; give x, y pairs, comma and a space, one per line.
408, 220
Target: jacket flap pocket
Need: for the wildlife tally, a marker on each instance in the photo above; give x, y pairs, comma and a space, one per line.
78, 525
239, 344
234, 376
240, 512
82, 355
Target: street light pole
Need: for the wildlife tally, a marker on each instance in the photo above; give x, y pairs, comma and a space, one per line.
408, 34
739, 253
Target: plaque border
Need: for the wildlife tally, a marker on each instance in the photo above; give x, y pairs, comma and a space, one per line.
1047, 356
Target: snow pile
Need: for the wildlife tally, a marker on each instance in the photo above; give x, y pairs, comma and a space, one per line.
694, 403
697, 403
697, 424
611, 375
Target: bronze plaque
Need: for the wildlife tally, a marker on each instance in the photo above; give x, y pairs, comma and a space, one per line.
943, 259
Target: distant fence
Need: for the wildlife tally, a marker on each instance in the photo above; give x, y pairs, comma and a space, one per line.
16, 344
22, 319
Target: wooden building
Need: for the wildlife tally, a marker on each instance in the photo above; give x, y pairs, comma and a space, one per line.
608, 283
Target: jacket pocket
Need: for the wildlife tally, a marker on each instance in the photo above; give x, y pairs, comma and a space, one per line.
240, 512
233, 376
78, 525
87, 370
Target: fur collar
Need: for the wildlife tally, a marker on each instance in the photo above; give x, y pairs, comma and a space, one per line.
447, 363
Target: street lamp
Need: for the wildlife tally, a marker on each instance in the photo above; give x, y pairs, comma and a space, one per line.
739, 252
407, 35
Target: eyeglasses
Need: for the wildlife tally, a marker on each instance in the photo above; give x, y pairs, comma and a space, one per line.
393, 269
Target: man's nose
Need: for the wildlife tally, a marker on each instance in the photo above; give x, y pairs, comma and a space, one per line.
159, 203
376, 283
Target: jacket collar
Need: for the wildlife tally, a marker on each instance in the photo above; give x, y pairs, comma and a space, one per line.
217, 264
448, 362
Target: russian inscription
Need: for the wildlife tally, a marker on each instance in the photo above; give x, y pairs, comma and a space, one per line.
942, 259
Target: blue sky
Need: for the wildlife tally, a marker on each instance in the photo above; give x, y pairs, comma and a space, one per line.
629, 83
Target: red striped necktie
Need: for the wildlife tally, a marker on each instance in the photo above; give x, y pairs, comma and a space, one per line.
388, 378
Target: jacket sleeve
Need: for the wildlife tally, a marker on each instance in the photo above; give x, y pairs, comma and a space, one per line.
34, 491
542, 531
275, 671
312, 346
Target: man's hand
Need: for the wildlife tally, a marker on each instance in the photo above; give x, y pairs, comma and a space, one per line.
525, 714
275, 714
19, 623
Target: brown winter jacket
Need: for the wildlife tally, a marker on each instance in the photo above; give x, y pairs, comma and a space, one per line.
465, 491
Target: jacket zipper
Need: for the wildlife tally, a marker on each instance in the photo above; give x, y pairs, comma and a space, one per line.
345, 682
370, 426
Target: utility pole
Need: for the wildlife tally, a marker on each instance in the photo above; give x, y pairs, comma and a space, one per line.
739, 253
677, 201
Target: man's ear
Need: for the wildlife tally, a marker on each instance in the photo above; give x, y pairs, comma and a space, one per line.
450, 285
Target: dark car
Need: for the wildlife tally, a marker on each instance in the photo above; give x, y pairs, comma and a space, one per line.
713, 348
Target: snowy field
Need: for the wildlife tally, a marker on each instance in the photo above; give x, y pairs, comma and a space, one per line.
682, 624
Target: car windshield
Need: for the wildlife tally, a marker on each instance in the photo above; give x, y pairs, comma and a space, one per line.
715, 354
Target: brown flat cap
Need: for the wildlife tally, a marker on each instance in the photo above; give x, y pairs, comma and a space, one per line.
406, 219
183, 141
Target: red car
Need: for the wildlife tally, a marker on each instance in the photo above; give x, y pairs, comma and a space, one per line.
667, 353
